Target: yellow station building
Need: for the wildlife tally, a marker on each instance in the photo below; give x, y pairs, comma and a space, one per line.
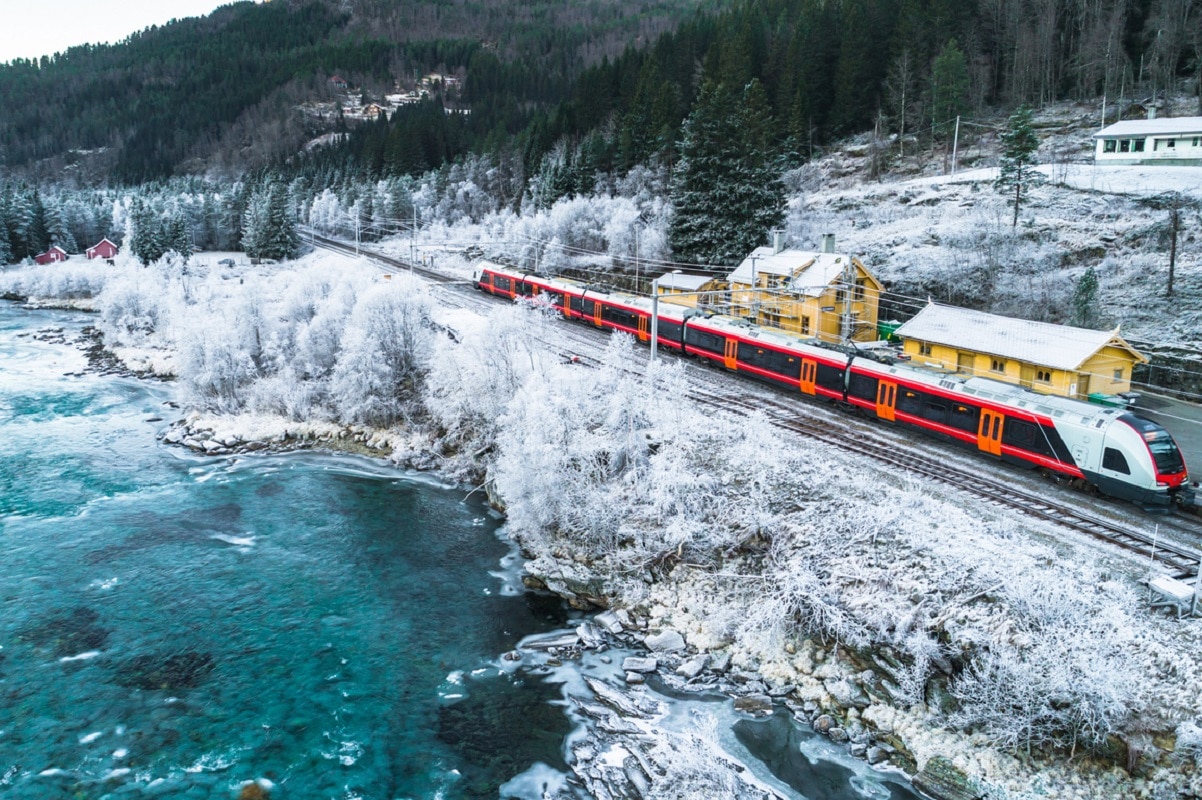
1053, 359
828, 295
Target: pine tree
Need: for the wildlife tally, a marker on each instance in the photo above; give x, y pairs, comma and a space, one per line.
1085, 300
254, 225
726, 188
949, 85
281, 239
176, 236
6, 251
56, 227
1019, 144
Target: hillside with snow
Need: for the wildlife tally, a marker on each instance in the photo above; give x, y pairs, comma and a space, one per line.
929, 232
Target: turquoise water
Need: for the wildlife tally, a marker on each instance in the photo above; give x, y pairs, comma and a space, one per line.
174, 626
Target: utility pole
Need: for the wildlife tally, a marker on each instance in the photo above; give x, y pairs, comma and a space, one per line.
755, 296
849, 282
412, 239
655, 314
955, 144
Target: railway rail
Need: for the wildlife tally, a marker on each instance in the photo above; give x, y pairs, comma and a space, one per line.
1181, 562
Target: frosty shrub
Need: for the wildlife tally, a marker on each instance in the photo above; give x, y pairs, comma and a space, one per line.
386, 346
471, 382
135, 303
1060, 672
63, 281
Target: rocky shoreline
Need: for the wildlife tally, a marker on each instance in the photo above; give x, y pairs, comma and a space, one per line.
620, 713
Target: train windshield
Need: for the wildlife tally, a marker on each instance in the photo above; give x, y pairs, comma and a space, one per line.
1164, 452
1160, 443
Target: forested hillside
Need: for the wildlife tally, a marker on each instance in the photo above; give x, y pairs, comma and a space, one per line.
223, 91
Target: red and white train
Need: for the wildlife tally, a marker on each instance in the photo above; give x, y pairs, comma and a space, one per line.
1111, 450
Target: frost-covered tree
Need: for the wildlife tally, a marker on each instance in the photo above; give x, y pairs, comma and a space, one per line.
6, 251
1085, 300
269, 224
387, 345
59, 233
726, 188
1019, 144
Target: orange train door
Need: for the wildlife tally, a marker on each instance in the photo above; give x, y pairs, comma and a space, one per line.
809, 375
886, 400
989, 434
732, 353
644, 328
597, 313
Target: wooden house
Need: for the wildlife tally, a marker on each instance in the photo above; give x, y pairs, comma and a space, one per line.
338, 82
688, 290
1162, 140
102, 249
1053, 359
828, 295
51, 256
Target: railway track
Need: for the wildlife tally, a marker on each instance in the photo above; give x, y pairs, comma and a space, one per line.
719, 391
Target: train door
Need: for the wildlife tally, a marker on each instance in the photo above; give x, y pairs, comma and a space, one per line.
644, 328
886, 400
989, 434
731, 356
809, 375
597, 306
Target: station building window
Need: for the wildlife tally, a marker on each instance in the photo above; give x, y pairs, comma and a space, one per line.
997, 365
1118, 374
805, 325
924, 348
1110, 146
1043, 376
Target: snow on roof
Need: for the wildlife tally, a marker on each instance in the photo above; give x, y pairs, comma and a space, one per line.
1055, 346
683, 282
811, 273
1151, 127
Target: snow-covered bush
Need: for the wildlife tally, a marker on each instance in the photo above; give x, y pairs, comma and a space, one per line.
70, 280
385, 350
135, 305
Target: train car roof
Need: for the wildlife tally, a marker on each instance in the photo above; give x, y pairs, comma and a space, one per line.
1011, 394
769, 336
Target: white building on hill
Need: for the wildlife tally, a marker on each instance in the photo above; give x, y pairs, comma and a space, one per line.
1164, 140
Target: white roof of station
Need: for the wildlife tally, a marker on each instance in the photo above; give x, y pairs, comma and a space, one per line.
1042, 343
823, 268
692, 283
1161, 126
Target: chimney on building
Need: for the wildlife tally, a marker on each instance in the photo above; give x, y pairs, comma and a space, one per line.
778, 241
828, 242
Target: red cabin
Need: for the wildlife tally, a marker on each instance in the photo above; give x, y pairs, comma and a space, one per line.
103, 249
52, 255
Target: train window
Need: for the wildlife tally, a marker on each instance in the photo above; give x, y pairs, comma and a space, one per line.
862, 386
829, 377
909, 402
964, 417
1115, 461
501, 283
705, 340
1019, 434
935, 412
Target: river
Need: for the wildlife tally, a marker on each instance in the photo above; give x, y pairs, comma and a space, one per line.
330, 627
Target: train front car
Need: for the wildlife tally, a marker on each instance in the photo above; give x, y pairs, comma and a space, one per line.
1137, 460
